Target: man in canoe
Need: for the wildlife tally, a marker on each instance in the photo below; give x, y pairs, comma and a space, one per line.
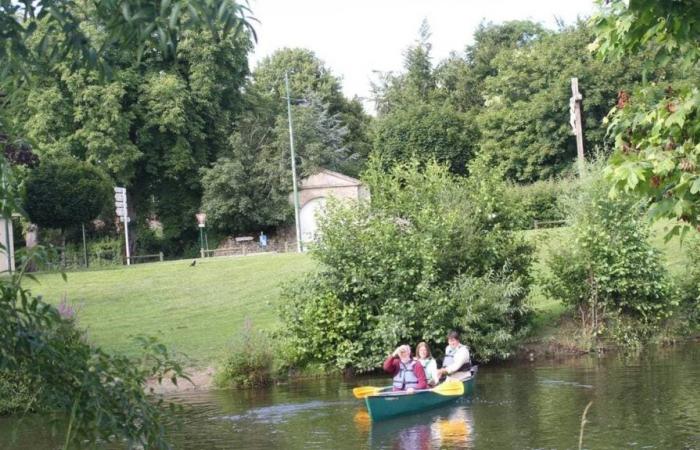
408, 373
457, 362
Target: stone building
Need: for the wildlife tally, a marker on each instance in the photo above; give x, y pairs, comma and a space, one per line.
316, 189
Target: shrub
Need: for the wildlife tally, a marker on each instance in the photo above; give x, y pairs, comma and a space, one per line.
102, 394
538, 201
608, 269
387, 267
17, 392
249, 363
689, 283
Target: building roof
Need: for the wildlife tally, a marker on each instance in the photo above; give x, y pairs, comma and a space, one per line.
328, 178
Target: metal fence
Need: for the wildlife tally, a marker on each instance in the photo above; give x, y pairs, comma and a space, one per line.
251, 247
76, 261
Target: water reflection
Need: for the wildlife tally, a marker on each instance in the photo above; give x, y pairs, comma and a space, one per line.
447, 427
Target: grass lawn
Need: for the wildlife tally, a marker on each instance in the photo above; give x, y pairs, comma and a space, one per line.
194, 310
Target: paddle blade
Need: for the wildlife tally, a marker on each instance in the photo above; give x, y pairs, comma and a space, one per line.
363, 391
451, 387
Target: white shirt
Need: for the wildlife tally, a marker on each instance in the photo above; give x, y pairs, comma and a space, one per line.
430, 367
460, 358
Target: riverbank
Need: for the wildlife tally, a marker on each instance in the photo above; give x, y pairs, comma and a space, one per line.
196, 311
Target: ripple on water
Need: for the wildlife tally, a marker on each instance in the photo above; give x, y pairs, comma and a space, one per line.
564, 383
279, 413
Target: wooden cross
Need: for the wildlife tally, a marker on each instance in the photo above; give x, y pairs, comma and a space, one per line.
575, 120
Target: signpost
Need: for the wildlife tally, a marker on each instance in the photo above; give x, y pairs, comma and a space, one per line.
575, 121
122, 212
201, 223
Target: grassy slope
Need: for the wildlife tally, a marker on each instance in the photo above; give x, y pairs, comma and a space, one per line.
195, 310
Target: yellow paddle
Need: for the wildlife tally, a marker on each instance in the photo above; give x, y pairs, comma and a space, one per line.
364, 391
451, 387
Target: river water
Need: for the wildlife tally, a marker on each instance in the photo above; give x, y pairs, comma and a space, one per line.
648, 401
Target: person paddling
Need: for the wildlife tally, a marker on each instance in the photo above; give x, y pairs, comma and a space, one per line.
457, 362
408, 373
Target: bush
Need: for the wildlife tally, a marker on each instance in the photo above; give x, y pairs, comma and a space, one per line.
388, 265
689, 283
608, 270
102, 394
249, 363
17, 392
539, 201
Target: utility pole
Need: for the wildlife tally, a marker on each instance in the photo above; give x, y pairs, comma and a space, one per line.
294, 164
575, 121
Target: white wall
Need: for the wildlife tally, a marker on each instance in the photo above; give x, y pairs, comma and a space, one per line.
307, 217
7, 242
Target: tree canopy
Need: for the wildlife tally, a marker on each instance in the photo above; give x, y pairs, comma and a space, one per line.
64, 193
656, 125
248, 187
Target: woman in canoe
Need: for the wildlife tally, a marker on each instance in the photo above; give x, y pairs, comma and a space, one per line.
425, 358
408, 373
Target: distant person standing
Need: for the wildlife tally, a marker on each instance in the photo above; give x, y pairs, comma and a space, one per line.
457, 361
263, 240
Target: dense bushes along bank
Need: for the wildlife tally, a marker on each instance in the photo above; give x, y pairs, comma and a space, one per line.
430, 252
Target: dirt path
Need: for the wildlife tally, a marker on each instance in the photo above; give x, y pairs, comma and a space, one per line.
202, 380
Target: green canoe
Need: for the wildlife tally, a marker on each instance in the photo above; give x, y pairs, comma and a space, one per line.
386, 405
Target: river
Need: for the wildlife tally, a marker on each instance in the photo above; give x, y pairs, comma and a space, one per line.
647, 401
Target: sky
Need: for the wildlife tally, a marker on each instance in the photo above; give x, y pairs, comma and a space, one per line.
356, 38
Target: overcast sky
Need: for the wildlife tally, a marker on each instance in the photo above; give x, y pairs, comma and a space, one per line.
355, 38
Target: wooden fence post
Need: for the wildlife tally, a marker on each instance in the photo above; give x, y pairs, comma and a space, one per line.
160, 255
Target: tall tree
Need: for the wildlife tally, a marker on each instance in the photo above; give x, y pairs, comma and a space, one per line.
248, 187
151, 125
309, 78
524, 123
415, 119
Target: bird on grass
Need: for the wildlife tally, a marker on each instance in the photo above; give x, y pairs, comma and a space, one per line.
192, 264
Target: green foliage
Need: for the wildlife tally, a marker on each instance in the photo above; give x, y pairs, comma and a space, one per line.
539, 201
656, 127
689, 284
609, 268
102, 394
64, 193
249, 363
248, 187
131, 25
416, 120
426, 132
310, 82
388, 267
150, 126
46, 363
491, 313
18, 394
524, 124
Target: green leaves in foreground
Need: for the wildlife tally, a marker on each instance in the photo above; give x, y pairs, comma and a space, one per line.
52, 369
656, 126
